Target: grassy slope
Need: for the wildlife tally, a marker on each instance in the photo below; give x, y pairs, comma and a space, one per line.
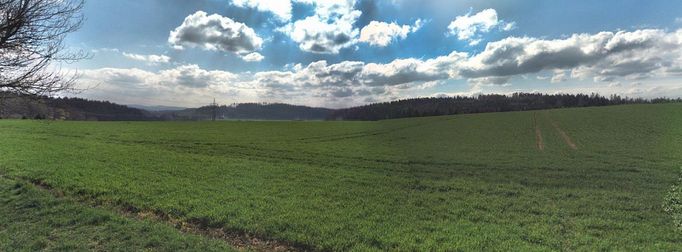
32, 219
469, 181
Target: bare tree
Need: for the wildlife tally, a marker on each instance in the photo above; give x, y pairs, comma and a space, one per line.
32, 36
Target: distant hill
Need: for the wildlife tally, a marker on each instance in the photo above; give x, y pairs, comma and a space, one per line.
155, 108
436, 106
249, 111
15, 106
30, 107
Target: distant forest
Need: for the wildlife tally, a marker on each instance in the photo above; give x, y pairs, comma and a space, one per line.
15, 106
419, 107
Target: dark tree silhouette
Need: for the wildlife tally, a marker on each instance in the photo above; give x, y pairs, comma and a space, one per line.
32, 36
481, 104
17, 106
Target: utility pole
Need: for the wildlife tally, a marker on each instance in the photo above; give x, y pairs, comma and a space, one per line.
214, 108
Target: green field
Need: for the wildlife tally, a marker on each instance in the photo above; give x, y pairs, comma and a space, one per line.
597, 180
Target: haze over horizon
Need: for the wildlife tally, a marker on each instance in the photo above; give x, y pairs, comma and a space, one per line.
340, 53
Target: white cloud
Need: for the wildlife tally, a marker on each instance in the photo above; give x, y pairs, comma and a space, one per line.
645, 56
382, 34
151, 58
469, 27
280, 8
490, 80
559, 76
193, 76
605, 55
253, 57
185, 75
509, 26
186, 85
215, 32
327, 31
104, 49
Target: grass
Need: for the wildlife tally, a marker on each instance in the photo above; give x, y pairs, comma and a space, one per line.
32, 220
470, 182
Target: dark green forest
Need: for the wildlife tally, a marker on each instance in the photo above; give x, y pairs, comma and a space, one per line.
14, 106
437, 106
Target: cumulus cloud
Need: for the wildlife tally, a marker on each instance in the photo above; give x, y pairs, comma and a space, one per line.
354, 79
215, 32
328, 30
280, 8
382, 34
126, 78
606, 55
150, 59
186, 85
253, 57
186, 75
610, 57
402, 71
469, 27
194, 76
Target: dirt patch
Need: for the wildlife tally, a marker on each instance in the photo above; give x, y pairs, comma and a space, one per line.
563, 134
538, 134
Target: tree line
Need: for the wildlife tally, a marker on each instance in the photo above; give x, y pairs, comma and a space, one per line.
18, 106
437, 106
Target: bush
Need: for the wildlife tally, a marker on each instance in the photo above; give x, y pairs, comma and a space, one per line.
673, 204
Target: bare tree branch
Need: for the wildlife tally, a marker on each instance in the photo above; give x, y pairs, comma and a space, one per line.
32, 36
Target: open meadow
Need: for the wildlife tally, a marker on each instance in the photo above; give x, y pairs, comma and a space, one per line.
564, 179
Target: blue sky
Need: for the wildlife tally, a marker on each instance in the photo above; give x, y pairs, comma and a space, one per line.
339, 53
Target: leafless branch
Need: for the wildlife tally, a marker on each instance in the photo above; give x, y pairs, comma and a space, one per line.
32, 36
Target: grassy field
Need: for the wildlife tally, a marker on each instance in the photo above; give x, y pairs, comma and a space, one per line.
567, 179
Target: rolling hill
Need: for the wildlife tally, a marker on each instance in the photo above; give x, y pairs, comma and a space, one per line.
562, 179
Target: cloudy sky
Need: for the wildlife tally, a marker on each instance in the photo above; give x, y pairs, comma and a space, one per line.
339, 53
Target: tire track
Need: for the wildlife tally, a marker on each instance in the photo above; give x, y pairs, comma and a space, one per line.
566, 137
331, 138
538, 133
240, 239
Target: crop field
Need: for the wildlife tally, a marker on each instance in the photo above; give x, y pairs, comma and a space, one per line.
565, 179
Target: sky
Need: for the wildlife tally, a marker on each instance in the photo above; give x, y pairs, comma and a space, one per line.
341, 53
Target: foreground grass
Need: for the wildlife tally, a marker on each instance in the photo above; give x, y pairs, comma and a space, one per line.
33, 219
473, 182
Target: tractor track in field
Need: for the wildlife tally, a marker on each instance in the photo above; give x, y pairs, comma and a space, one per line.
331, 138
538, 133
562, 133
239, 239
